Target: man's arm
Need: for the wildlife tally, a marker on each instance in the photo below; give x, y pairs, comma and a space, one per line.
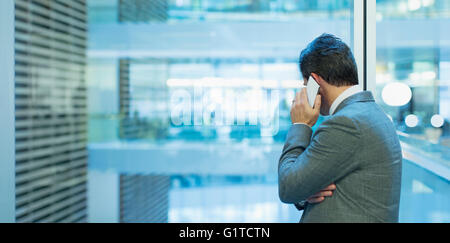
306, 166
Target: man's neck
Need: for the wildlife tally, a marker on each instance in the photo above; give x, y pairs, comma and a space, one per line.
334, 93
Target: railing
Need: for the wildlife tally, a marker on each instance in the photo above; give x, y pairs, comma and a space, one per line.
432, 157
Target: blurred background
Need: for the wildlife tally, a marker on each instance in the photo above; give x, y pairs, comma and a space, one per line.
177, 110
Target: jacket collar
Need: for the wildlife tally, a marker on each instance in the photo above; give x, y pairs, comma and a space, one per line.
344, 95
364, 96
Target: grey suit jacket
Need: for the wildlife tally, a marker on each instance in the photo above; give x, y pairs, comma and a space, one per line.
357, 149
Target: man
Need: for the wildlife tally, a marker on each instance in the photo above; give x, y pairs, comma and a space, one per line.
354, 156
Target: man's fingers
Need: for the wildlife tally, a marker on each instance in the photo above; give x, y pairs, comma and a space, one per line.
318, 103
316, 200
304, 96
331, 187
298, 97
320, 196
324, 194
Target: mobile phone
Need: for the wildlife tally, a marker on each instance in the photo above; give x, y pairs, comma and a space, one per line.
312, 89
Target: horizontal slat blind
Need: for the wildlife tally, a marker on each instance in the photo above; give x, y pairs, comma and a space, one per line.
51, 113
143, 10
144, 198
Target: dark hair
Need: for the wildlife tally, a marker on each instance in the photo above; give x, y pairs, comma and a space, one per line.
330, 58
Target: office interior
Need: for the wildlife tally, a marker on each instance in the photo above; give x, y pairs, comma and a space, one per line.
176, 111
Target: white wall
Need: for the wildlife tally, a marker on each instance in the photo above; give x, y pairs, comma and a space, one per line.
7, 145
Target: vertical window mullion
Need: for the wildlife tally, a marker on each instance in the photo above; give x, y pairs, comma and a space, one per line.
371, 45
364, 42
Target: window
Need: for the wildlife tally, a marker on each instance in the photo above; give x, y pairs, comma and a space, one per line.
203, 90
413, 87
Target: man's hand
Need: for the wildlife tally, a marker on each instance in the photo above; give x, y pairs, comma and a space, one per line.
302, 112
320, 196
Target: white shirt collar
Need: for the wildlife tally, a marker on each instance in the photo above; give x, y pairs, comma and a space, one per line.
347, 93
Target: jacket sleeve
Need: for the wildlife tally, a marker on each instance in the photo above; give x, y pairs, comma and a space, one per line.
308, 165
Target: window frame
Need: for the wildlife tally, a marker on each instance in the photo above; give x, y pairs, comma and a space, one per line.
364, 42
7, 121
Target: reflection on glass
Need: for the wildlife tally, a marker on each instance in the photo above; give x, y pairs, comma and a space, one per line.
412, 67
198, 91
413, 87
189, 101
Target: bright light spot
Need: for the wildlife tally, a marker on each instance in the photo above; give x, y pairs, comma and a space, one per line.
248, 68
423, 76
429, 75
212, 82
292, 84
412, 121
427, 3
414, 5
179, 3
437, 121
415, 76
280, 67
396, 94
403, 7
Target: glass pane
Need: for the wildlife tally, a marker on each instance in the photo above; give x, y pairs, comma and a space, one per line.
189, 104
413, 87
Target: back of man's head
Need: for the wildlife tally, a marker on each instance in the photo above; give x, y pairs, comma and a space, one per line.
330, 58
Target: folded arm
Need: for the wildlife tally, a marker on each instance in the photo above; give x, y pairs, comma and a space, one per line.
306, 166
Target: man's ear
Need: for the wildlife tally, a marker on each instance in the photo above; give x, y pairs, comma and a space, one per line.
318, 79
